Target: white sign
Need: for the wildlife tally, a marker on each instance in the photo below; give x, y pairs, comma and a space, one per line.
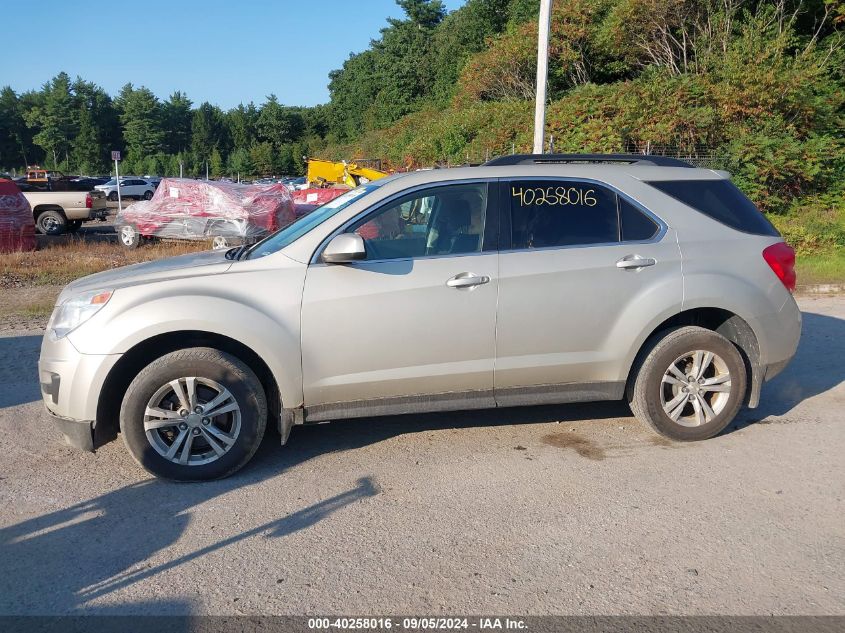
115, 155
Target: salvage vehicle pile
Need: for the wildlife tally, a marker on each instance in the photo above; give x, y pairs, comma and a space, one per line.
226, 213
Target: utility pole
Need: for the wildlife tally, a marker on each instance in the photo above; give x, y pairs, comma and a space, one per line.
542, 74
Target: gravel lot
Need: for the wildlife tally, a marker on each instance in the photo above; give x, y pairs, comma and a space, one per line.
547, 510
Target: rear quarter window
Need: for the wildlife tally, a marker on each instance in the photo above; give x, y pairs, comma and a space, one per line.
721, 201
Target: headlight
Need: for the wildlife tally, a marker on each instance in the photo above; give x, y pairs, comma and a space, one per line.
76, 310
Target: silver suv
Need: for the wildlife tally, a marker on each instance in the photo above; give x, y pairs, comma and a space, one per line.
529, 280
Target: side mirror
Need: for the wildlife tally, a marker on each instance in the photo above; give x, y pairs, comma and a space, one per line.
344, 248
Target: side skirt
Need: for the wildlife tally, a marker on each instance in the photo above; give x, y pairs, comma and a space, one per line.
457, 401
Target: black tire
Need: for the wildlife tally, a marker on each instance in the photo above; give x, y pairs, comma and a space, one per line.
148, 195
112, 196
128, 236
648, 391
51, 222
202, 363
74, 225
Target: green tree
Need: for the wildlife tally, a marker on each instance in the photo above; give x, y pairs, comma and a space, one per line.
242, 125
424, 13
207, 131
88, 154
53, 119
277, 124
262, 157
240, 162
141, 116
15, 137
216, 164
177, 115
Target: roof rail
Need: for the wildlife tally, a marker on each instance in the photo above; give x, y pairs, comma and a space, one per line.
553, 159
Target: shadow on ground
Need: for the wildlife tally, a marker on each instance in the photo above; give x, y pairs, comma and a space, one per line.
19, 370
816, 368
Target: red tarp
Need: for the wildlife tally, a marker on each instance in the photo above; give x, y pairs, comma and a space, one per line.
17, 227
199, 209
306, 200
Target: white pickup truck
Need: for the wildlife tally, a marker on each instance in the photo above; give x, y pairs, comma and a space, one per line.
58, 212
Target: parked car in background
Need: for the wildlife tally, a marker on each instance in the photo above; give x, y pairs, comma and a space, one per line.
295, 184
530, 280
86, 183
130, 187
224, 212
58, 212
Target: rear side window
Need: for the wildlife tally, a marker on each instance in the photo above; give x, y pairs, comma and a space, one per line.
720, 200
561, 213
634, 224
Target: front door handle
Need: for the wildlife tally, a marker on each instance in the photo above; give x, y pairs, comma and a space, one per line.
467, 280
635, 262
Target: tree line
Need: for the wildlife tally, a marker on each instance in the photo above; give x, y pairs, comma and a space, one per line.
759, 82
72, 125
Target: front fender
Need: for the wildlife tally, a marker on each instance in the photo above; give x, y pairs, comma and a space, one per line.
261, 318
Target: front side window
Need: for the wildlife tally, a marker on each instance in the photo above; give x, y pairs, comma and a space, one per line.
447, 220
287, 235
561, 213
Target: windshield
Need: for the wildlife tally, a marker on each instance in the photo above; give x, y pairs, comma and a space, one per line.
110, 183
292, 232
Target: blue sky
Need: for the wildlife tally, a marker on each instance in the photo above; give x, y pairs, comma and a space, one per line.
225, 52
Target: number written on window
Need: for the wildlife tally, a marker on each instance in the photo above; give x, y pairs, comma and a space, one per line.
554, 196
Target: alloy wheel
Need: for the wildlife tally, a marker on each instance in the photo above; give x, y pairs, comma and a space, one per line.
192, 421
695, 388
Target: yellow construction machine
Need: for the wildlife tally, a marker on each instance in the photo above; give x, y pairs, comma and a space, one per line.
326, 173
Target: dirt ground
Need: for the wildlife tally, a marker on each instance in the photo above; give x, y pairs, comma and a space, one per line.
576, 509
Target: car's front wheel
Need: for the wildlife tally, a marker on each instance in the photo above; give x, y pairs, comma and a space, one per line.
690, 385
193, 415
129, 236
112, 196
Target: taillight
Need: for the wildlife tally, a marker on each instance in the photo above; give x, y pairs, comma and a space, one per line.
781, 259
88, 202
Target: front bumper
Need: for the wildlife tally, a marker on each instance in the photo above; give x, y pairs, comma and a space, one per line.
77, 433
71, 383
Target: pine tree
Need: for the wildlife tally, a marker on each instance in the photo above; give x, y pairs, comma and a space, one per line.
177, 115
141, 116
53, 118
88, 155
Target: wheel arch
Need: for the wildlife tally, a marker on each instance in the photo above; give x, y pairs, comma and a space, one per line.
725, 322
142, 354
41, 208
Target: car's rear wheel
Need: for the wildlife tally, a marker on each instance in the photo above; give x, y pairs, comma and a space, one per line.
690, 385
148, 195
194, 415
51, 222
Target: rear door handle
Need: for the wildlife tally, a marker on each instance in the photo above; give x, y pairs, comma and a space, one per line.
467, 280
634, 262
